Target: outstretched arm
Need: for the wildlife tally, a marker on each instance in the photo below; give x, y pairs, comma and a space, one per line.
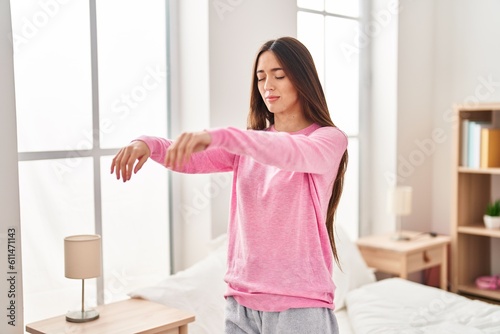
188, 154
313, 153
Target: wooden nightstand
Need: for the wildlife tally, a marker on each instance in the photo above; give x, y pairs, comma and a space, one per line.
404, 257
125, 317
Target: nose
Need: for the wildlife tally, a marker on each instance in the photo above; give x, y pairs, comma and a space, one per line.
268, 85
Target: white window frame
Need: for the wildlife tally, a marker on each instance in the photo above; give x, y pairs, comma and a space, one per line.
96, 152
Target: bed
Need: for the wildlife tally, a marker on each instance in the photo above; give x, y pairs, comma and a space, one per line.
363, 305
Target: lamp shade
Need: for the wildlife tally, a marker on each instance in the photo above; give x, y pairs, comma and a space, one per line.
82, 256
399, 200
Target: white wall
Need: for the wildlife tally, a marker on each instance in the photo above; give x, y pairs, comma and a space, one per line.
236, 33
415, 88
444, 55
212, 88
381, 165
9, 184
467, 52
467, 55
190, 94
446, 51
430, 56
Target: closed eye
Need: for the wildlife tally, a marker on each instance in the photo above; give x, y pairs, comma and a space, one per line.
276, 77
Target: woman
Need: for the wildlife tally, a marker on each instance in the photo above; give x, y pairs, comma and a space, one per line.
288, 178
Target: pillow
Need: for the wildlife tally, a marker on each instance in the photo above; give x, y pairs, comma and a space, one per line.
354, 273
199, 289
218, 242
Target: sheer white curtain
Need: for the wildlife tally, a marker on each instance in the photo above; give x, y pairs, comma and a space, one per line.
67, 136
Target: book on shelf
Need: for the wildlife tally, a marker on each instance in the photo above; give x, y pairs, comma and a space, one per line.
480, 145
490, 148
464, 160
474, 143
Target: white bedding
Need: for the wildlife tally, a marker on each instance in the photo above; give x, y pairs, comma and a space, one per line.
391, 306
200, 288
397, 306
343, 322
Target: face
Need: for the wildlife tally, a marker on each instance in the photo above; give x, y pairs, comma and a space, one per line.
277, 91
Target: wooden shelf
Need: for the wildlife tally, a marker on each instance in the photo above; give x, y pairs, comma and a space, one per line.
479, 230
472, 189
473, 290
478, 107
469, 170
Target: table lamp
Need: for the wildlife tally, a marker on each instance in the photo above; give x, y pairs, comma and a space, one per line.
399, 204
82, 259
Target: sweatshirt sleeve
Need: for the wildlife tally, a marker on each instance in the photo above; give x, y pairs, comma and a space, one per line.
207, 161
313, 153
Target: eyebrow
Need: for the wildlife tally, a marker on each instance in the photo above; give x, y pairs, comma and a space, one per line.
272, 70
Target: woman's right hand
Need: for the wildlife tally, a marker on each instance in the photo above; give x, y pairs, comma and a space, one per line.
136, 153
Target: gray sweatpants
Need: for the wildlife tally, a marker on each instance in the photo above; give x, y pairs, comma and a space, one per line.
242, 320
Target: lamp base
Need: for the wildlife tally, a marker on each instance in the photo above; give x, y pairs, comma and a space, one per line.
399, 237
82, 316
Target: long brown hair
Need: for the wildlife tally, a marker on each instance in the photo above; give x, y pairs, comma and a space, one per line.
299, 66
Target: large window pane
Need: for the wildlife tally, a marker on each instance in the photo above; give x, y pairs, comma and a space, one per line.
132, 70
61, 197
343, 7
342, 74
52, 68
311, 4
135, 229
57, 200
310, 31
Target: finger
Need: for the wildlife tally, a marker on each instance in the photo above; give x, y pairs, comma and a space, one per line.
198, 142
182, 150
130, 167
113, 165
140, 163
117, 163
173, 152
189, 149
124, 163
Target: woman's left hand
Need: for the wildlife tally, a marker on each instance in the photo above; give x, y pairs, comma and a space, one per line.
179, 153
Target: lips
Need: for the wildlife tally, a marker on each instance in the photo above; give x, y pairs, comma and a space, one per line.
272, 98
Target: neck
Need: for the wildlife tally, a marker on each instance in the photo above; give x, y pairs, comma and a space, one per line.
290, 123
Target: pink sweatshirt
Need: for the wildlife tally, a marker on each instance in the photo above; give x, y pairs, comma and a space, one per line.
279, 254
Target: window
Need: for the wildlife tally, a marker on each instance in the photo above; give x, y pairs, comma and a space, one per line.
330, 28
88, 80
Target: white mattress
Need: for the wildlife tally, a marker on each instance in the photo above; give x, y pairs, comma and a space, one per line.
343, 322
391, 306
397, 306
